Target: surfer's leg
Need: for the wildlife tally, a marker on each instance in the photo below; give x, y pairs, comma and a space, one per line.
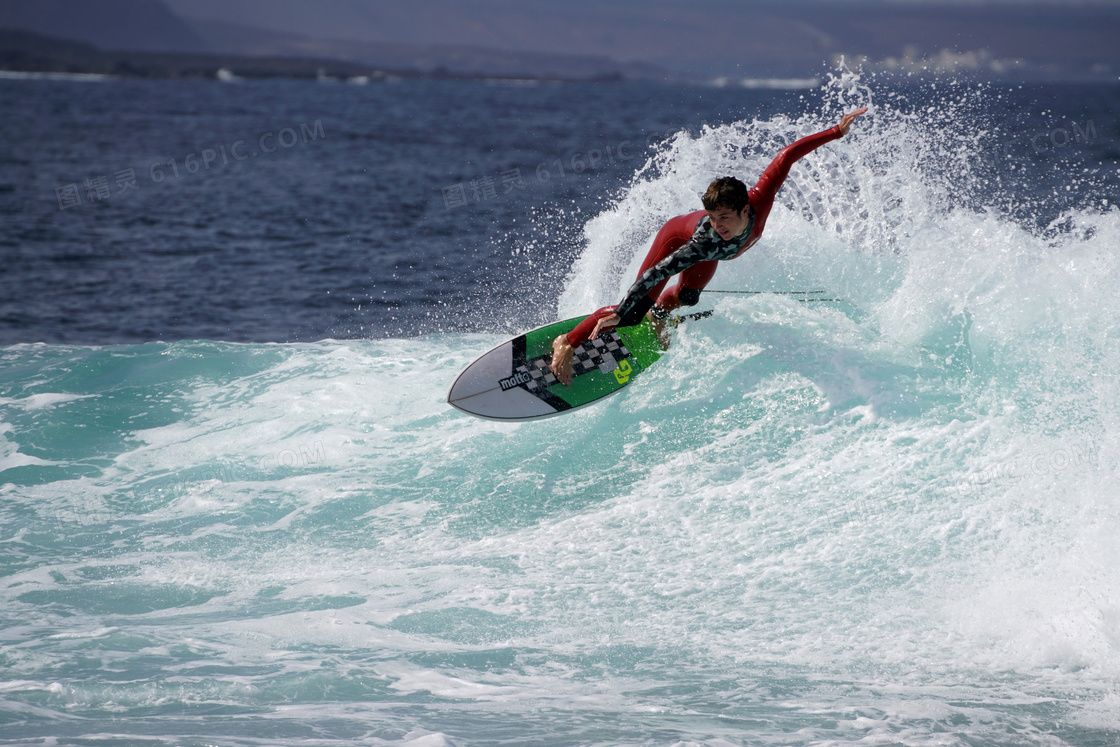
687, 290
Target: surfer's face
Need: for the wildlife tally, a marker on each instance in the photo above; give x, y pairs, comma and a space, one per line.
727, 222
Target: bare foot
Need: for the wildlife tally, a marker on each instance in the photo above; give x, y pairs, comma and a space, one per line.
660, 326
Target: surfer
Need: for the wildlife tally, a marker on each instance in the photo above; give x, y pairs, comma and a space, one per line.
691, 245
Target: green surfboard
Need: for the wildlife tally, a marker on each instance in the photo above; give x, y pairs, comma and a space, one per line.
513, 380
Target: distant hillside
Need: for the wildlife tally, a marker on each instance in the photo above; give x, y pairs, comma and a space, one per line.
109, 24
748, 38
458, 59
589, 39
149, 26
26, 51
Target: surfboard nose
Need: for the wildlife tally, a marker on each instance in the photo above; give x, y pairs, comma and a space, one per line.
487, 389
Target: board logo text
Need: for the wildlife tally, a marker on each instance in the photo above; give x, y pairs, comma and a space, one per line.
516, 380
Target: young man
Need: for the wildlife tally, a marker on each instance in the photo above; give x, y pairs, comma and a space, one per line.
690, 245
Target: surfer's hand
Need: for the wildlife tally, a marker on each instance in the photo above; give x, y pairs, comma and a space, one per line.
611, 320
562, 360
847, 119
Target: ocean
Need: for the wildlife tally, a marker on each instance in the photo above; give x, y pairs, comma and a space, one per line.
235, 508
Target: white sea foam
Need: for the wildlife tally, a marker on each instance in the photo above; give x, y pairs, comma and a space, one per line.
42, 400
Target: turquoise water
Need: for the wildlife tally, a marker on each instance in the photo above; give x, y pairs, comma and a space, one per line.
888, 519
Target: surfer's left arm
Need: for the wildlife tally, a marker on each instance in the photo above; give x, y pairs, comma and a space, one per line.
847, 119
775, 174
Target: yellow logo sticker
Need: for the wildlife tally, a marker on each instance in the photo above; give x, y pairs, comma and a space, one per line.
622, 373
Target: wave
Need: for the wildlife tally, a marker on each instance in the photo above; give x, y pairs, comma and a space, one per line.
903, 495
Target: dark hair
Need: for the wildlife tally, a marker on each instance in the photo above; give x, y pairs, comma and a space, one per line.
726, 192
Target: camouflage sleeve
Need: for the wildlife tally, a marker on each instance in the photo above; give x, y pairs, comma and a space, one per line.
694, 251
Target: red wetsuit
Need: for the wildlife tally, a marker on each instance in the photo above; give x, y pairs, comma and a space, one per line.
688, 245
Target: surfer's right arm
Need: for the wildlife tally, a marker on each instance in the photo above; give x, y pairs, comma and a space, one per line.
561, 365
563, 348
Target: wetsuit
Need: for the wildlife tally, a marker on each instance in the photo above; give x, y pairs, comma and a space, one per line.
690, 246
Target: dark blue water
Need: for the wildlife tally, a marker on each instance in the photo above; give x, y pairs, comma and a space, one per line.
393, 209
352, 213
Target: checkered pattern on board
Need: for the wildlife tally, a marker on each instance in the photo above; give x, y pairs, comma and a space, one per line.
603, 353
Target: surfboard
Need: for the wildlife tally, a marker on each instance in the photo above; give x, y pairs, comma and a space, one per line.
513, 380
